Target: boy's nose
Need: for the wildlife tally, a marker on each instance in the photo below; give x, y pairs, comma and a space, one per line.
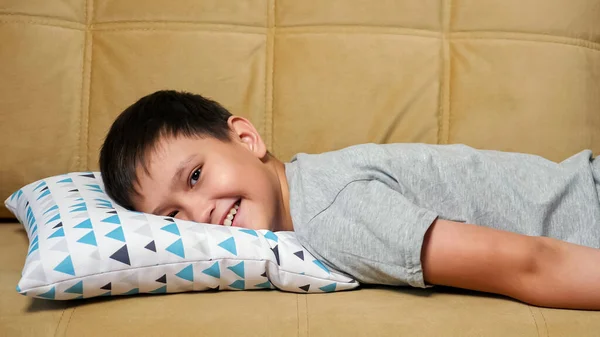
197, 211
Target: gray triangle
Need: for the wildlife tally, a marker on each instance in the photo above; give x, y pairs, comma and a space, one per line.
145, 230
61, 246
140, 217
223, 229
33, 256
257, 242
197, 229
202, 246
47, 203
37, 274
95, 254
82, 215
131, 279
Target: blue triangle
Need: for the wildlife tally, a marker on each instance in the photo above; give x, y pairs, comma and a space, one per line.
177, 248
266, 285
56, 217
18, 289
106, 293
85, 224
113, 219
160, 290
132, 292
186, 273
51, 209
79, 209
60, 232
238, 269
229, 245
81, 204
271, 236
33, 248
89, 239
46, 192
213, 270
328, 288
249, 231
68, 180
34, 229
43, 183
34, 240
172, 228
49, 294
117, 234
239, 284
76, 289
66, 266
321, 265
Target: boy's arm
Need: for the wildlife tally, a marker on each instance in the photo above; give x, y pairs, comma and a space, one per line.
536, 270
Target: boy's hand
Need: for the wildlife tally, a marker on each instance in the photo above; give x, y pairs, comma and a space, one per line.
536, 270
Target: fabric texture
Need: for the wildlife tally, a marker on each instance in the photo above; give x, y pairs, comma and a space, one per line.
83, 245
379, 200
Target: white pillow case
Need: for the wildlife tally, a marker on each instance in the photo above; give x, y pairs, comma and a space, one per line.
83, 245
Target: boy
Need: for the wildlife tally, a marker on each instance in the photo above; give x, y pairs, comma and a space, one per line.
397, 214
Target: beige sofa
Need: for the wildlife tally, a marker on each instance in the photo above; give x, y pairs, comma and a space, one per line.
312, 75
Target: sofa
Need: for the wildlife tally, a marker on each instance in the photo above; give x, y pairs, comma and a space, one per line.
312, 76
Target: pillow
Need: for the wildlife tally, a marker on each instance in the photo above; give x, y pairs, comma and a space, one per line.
82, 245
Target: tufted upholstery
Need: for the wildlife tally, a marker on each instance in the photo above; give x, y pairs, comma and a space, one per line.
312, 76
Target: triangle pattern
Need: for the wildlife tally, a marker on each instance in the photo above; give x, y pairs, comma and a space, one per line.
266, 285
238, 284
177, 248
61, 246
121, 255
59, 233
145, 230
161, 290
106, 294
38, 274
328, 288
305, 287
300, 254
66, 266
321, 265
95, 254
151, 246
131, 279
49, 294
85, 224
162, 279
275, 251
249, 231
133, 291
77, 288
172, 228
186, 273
55, 217
229, 245
89, 239
59, 225
238, 269
113, 219
107, 286
213, 270
271, 236
117, 234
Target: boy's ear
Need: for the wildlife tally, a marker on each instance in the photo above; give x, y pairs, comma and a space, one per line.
244, 132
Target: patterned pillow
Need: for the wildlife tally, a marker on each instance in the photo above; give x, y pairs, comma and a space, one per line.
83, 245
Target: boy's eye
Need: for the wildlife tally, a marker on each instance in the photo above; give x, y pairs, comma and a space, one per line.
172, 214
195, 176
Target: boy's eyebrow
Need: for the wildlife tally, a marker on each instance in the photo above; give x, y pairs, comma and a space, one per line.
182, 165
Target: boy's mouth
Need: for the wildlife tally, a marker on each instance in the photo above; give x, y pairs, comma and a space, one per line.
228, 219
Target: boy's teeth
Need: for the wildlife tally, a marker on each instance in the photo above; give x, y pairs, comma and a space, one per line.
229, 218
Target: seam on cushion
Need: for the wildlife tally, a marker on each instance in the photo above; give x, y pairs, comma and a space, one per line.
183, 26
53, 18
90, 45
141, 22
269, 75
526, 37
444, 91
49, 23
357, 30
85, 93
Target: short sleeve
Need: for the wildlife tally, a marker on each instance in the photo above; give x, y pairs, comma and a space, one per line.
372, 232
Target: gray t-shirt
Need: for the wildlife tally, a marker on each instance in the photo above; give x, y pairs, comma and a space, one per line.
364, 210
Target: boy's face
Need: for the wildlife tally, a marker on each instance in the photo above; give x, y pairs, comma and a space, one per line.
211, 181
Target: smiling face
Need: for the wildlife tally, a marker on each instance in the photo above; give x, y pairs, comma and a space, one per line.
211, 181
